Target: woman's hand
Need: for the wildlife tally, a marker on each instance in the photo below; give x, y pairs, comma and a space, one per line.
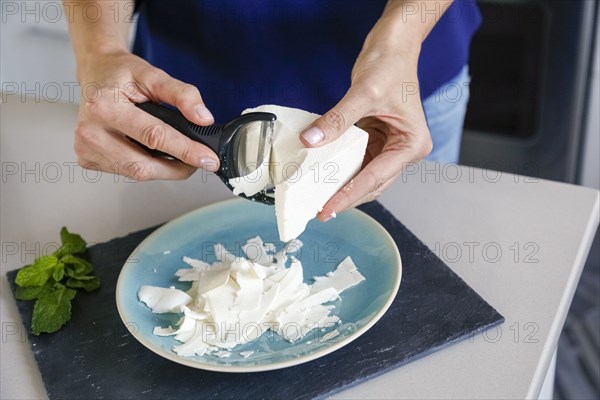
112, 80
384, 100
109, 123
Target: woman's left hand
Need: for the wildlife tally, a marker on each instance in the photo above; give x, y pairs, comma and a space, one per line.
384, 100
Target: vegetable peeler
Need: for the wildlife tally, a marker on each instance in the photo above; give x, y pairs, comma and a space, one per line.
230, 141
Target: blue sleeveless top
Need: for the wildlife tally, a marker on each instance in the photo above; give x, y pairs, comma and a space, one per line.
297, 53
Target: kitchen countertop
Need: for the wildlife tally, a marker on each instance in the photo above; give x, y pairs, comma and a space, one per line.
520, 242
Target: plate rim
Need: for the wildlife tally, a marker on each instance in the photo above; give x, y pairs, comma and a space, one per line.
265, 367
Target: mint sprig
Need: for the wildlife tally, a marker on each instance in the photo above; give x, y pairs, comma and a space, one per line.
52, 281
52, 309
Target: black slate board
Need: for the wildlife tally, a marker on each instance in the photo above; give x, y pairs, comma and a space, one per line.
94, 356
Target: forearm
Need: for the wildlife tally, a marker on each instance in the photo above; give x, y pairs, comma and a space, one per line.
98, 27
405, 24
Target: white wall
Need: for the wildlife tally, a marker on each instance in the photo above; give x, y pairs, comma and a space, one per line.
35, 53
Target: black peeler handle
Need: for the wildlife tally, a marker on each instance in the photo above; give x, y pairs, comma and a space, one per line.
207, 135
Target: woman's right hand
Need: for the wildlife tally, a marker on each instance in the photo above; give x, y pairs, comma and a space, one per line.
108, 119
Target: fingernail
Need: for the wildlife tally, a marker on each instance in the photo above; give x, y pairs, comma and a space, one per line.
209, 164
330, 216
203, 113
313, 136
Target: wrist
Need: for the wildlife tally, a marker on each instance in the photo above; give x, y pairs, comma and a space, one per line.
93, 54
402, 33
393, 36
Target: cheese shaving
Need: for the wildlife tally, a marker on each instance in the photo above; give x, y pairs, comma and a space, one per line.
235, 300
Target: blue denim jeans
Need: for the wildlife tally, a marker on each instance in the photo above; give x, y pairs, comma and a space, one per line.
445, 113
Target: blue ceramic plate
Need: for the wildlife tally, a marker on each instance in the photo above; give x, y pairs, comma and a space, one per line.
232, 223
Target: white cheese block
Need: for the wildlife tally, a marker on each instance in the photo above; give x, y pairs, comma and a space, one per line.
305, 179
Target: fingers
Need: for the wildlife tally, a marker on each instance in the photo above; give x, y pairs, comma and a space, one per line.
367, 183
353, 106
112, 152
182, 95
153, 133
377, 175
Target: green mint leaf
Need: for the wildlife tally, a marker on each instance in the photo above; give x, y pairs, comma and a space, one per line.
59, 272
72, 239
88, 284
72, 243
52, 310
32, 292
77, 266
38, 273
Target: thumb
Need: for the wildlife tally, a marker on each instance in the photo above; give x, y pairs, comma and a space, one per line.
336, 121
